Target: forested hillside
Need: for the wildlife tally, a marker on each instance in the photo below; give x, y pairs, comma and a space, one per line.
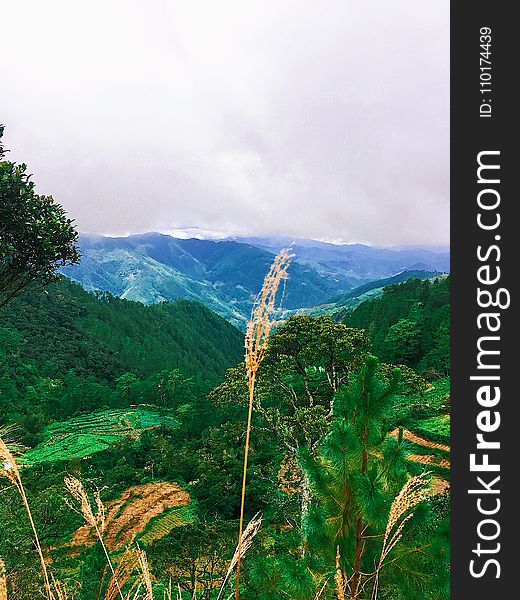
118, 395
225, 275
64, 351
409, 324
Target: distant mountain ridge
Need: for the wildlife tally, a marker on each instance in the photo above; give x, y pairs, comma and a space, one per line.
340, 306
225, 275
358, 261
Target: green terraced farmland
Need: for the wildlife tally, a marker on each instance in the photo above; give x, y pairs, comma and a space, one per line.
164, 523
83, 436
435, 428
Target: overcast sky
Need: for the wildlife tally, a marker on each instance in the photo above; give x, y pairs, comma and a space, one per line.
323, 119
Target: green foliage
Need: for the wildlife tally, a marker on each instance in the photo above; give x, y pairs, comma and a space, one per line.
359, 471
104, 336
116, 393
66, 351
354, 477
164, 523
307, 362
36, 237
195, 555
435, 428
409, 324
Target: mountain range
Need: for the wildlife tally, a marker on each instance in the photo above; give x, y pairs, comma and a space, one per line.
225, 275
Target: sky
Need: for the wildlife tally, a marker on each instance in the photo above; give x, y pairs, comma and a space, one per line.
326, 120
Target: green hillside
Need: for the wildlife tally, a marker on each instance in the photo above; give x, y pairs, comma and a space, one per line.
147, 405
409, 324
65, 351
85, 435
65, 327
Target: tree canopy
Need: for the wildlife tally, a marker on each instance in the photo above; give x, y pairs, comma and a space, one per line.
36, 236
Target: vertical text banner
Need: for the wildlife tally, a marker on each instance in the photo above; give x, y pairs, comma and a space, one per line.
485, 333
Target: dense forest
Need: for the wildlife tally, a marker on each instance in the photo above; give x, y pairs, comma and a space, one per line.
136, 402
410, 324
65, 351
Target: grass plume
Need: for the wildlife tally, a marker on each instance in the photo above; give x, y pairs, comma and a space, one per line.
9, 469
3, 581
414, 491
145, 573
94, 516
263, 319
253, 527
127, 565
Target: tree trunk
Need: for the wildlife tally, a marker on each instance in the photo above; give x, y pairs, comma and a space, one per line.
306, 497
356, 577
357, 560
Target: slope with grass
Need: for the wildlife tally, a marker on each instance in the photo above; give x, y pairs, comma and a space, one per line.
86, 435
146, 512
426, 429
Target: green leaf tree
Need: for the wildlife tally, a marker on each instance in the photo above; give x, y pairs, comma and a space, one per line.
36, 237
307, 362
403, 342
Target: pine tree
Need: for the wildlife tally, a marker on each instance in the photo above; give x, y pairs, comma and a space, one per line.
359, 471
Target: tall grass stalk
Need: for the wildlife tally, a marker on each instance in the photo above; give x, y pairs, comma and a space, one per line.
145, 573
263, 318
3, 581
9, 469
95, 517
415, 490
127, 565
253, 527
60, 590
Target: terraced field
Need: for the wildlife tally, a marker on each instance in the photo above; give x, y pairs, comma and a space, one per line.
147, 512
428, 436
161, 525
85, 435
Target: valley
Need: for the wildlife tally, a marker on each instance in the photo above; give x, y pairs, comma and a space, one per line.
225, 275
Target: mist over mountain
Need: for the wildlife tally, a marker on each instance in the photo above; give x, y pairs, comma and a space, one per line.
225, 275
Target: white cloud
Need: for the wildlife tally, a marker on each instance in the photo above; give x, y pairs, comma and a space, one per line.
325, 120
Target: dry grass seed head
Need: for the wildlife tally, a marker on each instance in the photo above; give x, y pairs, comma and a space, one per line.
8, 450
415, 490
77, 491
59, 590
127, 565
253, 527
145, 572
263, 315
3, 581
